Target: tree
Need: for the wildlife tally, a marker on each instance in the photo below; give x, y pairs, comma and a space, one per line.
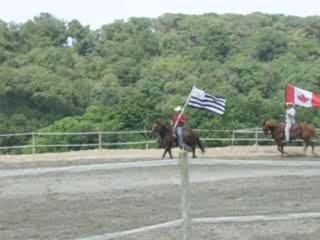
270, 44
127, 74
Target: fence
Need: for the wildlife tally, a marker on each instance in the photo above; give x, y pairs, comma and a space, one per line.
32, 140
123, 139
186, 221
231, 136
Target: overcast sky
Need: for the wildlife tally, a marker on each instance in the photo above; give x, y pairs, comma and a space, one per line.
98, 12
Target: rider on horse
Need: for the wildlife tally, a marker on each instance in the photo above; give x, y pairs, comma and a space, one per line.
179, 120
290, 120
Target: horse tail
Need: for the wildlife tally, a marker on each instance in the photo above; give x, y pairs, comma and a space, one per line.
316, 135
200, 144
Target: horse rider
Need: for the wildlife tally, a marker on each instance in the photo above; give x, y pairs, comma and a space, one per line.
179, 120
290, 120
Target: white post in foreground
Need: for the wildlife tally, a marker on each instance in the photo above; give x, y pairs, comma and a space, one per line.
185, 193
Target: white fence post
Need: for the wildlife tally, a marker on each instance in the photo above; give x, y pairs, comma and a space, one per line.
100, 141
185, 195
256, 137
33, 144
232, 140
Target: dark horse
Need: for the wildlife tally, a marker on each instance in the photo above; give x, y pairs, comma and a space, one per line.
304, 131
168, 139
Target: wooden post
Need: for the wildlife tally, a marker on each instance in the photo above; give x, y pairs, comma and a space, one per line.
185, 195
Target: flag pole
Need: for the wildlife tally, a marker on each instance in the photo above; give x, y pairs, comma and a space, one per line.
185, 104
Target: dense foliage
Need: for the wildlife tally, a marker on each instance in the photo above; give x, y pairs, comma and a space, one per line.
126, 74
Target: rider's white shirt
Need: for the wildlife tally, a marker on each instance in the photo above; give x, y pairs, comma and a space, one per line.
290, 116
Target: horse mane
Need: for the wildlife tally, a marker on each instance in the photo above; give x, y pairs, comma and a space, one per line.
271, 123
162, 128
163, 125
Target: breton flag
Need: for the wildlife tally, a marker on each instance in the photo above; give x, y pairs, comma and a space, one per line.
302, 97
202, 100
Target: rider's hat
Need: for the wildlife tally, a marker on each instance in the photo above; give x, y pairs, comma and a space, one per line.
177, 109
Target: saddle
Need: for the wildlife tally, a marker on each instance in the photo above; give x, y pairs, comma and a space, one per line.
175, 137
295, 130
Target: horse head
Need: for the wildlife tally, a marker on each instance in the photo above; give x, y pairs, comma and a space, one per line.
268, 125
160, 128
155, 128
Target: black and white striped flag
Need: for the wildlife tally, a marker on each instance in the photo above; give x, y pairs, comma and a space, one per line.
201, 99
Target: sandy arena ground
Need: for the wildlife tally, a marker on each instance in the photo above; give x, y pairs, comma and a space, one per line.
84, 195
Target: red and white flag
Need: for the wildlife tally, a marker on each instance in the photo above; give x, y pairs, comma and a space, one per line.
302, 97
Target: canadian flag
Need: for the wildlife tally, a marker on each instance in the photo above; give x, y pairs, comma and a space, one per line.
302, 97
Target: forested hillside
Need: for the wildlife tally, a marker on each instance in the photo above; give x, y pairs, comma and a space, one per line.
129, 73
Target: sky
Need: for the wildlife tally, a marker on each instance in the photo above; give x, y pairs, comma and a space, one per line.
99, 12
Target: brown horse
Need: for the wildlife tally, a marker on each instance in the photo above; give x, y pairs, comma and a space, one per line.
304, 131
168, 139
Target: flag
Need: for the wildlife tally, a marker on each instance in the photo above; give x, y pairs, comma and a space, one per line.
202, 100
302, 97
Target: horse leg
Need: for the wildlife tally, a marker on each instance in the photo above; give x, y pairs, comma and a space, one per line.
194, 152
312, 146
169, 150
306, 147
280, 149
200, 145
307, 143
282, 146
164, 153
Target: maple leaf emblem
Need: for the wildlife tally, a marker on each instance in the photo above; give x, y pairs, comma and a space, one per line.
303, 98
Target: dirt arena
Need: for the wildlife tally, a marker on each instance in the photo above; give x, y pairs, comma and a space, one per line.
87, 195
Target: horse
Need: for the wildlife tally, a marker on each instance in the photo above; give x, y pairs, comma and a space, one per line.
304, 131
168, 139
